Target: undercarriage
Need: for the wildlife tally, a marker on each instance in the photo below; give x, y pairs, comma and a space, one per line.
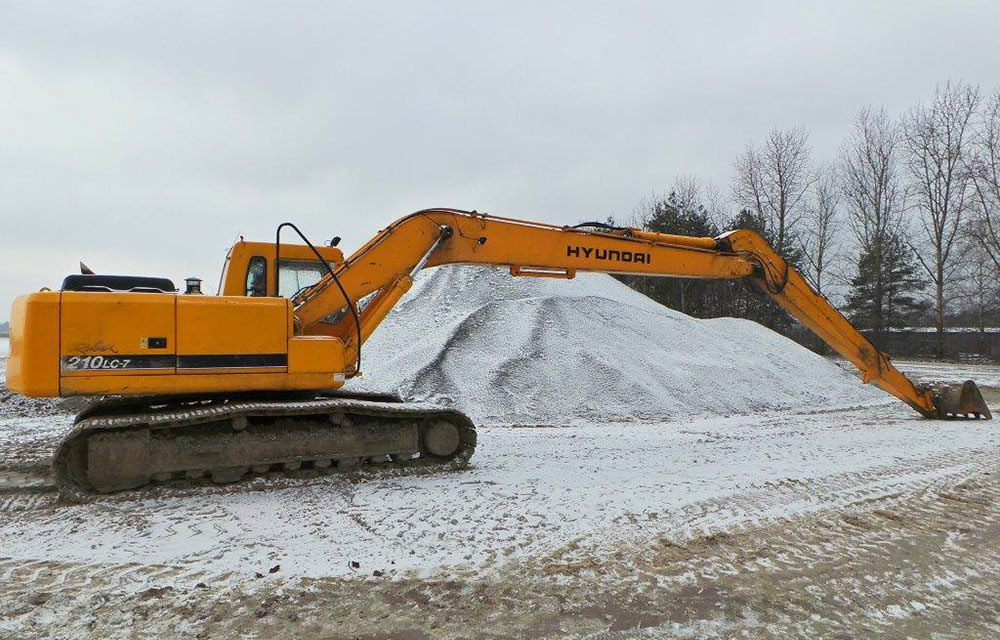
120, 444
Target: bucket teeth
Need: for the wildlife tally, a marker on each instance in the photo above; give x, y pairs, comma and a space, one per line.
961, 401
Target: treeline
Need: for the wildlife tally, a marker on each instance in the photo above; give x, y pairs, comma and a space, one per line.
900, 229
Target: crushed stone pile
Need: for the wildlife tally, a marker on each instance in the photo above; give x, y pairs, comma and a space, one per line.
542, 351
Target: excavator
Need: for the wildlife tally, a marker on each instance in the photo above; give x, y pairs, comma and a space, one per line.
249, 381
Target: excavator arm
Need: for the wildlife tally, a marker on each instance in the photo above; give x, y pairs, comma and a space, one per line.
382, 271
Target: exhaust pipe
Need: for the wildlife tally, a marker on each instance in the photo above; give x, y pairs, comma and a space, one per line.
961, 401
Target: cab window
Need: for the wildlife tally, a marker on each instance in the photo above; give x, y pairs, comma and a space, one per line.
295, 275
257, 277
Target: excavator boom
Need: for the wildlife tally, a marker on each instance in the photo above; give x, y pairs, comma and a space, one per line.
247, 382
446, 236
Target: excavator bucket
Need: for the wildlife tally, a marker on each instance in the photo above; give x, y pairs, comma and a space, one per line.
961, 401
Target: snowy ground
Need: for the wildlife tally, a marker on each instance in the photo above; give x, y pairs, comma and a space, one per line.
531, 490
985, 375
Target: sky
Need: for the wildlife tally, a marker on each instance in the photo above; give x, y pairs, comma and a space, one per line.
144, 138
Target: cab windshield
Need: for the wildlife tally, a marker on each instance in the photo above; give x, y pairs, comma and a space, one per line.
295, 275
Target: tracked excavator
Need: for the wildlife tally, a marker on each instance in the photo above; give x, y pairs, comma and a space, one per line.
250, 381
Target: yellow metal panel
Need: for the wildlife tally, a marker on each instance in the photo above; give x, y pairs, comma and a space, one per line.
33, 366
198, 383
114, 333
315, 354
231, 325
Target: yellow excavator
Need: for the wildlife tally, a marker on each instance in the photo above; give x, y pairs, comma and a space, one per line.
248, 381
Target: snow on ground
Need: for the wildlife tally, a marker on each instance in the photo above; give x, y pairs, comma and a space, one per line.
530, 490
985, 375
543, 351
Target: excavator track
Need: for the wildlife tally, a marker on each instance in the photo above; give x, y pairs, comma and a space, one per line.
123, 444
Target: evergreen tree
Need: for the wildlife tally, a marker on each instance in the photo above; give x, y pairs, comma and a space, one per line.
681, 214
674, 215
894, 304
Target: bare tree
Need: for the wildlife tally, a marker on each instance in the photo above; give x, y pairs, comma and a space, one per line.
773, 181
717, 203
873, 198
687, 191
938, 145
985, 170
822, 222
978, 288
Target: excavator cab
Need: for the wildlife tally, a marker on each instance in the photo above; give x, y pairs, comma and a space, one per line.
250, 266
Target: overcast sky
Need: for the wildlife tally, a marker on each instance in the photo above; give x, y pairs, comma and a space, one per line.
145, 137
